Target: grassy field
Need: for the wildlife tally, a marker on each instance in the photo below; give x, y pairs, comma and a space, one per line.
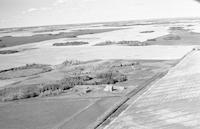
39, 114
177, 36
87, 118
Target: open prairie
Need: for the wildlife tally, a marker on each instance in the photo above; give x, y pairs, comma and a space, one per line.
57, 76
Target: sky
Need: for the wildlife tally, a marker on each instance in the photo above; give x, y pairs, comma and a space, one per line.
17, 13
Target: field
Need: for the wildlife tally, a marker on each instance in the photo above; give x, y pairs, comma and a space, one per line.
170, 103
47, 113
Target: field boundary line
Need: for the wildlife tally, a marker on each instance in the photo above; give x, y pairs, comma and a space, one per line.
58, 126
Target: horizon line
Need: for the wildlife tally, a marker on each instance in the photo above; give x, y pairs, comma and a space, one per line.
100, 22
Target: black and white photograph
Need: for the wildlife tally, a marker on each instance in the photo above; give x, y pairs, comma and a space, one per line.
99, 64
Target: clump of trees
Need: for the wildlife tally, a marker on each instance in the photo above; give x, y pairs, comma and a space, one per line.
8, 51
10, 94
151, 40
127, 43
71, 62
105, 43
132, 43
150, 31
60, 86
45, 68
107, 77
74, 43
